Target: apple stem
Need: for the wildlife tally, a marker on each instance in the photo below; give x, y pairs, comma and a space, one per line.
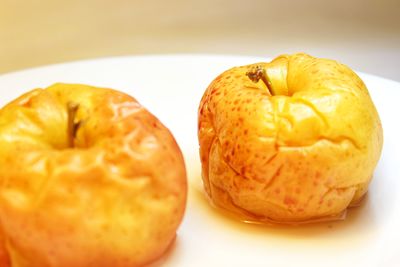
259, 73
72, 108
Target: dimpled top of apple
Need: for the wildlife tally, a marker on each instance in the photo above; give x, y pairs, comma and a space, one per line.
291, 140
98, 202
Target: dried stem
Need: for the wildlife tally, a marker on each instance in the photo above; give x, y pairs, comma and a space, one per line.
258, 73
72, 108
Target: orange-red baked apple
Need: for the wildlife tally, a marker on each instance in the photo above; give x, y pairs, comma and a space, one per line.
293, 140
88, 178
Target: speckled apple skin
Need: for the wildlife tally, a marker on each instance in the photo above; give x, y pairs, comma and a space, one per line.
305, 152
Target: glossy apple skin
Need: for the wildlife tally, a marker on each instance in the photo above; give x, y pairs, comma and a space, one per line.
305, 152
115, 199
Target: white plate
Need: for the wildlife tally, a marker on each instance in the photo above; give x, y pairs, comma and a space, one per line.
171, 88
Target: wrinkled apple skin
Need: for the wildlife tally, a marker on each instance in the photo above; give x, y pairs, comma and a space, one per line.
306, 151
115, 199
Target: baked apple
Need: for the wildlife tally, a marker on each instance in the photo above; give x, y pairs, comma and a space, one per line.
88, 177
294, 140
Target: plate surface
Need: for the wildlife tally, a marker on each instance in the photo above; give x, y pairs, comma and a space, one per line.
171, 87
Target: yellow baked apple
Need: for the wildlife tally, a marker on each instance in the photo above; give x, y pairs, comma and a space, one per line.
88, 178
293, 140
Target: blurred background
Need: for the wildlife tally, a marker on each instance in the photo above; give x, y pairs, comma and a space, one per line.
364, 34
